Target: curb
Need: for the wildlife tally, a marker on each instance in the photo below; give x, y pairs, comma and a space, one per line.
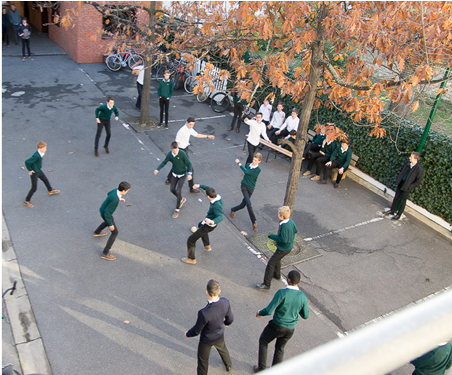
433, 221
27, 339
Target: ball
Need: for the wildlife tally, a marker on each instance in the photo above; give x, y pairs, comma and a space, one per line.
194, 229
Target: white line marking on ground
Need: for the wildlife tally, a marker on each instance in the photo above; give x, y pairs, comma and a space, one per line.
308, 239
199, 118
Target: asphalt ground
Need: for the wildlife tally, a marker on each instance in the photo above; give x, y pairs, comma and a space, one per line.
368, 266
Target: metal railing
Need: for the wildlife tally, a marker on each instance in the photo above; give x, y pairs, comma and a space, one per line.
380, 347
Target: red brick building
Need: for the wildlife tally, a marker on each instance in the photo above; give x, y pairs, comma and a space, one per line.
85, 40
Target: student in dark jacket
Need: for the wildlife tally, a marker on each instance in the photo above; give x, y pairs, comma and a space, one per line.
24, 32
409, 178
165, 92
5, 26
320, 159
288, 304
248, 184
211, 324
34, 165
103, 115
106, 212
316, 143
239, 108
340, 159
284, 245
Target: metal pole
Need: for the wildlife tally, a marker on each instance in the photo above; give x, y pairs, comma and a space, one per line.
432, 113
381, 347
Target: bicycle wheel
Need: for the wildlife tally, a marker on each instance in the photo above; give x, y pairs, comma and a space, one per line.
219, 102
190, 83
204, 94
113, 62
133, 59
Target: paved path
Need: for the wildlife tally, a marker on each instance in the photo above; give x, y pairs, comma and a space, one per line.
368, 268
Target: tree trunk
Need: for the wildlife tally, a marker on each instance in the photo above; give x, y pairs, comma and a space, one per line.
148, 60
317, 48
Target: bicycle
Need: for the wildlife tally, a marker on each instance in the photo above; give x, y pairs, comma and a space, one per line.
118, 60
221, 101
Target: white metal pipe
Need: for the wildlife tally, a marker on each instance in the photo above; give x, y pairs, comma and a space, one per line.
381, 347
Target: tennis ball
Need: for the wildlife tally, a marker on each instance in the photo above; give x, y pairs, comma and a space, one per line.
194, 229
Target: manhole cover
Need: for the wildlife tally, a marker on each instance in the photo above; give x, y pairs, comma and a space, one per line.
271, 244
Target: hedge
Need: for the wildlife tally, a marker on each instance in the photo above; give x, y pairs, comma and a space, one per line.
381, 159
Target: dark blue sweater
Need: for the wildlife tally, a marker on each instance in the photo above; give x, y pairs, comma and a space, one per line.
212, 320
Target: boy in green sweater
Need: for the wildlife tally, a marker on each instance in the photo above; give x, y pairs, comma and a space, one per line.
340, 159
165, 91
34, 165
284, 245
213, 218
106, 212
181, 168
103, 115
248, 185
288, 304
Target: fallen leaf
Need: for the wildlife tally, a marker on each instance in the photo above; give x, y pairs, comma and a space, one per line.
228, 139
126, 322
69, 141
22, 168
71, 152
49, 170
128, 204
243, 233
142, 149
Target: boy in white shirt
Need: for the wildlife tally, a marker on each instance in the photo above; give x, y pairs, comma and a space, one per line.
257, 129
266, 110
290, 124
277, 120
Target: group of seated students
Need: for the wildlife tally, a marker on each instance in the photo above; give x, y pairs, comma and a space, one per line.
324, 151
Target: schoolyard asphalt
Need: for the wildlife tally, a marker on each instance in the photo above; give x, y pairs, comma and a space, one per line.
366, 266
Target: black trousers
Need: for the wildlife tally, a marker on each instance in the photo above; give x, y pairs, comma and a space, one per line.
176, 188
313, 159
274, 266
164, 106
400, 196
251, 150
26, 43
247, 193
204, 353
281, 334
238, 112
140, 91
190, 182
34, 184
311, 147
337, 164
5, 33
320, 166
100, 126
112, 237
203, 233
274, 138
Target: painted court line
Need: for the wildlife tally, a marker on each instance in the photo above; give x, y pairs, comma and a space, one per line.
308, 239
199, 118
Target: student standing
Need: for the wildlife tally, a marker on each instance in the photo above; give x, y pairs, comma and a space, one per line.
103, 115
284, 245
5, 26
183, 141
24, 33
247, 186
266, 110
211, 324
287, 304
213, 218
181, 168
15, 19
409, 178
165, 91
257, 129
106, 212
239, 108
34, 165
138, 69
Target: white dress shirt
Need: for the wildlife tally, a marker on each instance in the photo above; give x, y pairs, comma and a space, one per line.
256, 130
183, 136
